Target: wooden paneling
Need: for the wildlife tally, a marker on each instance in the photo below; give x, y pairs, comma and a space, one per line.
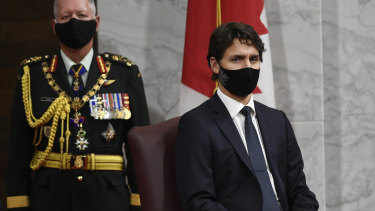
25, 30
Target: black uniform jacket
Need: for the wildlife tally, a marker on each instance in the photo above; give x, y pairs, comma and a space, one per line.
55, 189
214, 171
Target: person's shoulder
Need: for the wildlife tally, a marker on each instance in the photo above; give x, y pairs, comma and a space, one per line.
35, 60
268, 111
199, 113
259, 105
118, 59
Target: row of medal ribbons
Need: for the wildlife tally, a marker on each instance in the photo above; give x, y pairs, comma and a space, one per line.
110, 106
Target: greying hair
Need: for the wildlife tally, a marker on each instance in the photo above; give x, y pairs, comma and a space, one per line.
91, 2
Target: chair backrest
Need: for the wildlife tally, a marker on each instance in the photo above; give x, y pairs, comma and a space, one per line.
152, 148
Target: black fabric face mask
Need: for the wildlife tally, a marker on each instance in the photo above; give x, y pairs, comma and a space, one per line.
75, 33
240, 82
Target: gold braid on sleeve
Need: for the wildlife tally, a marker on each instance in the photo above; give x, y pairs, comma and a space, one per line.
59, 109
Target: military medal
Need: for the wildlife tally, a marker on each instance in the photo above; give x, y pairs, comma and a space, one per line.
76, 74
106, 106
126, 108
116, 105
94, 108
118, 108
77, 120
120, 113
76, 103
76, 86
81, 140
128, 114
110, 106
100, 111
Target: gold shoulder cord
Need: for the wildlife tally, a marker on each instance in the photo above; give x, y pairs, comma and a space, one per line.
59, 109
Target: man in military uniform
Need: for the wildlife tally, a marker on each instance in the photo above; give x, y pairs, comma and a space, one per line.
70, 117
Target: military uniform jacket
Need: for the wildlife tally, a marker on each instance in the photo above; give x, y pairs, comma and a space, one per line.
75, 189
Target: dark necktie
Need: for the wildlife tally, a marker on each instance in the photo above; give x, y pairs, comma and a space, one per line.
257, 160
76, 71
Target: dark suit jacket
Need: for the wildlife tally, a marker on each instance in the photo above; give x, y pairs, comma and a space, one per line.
214, 171
54, 189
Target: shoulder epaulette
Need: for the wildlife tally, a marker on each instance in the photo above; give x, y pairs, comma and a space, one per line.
34, 59
118, 58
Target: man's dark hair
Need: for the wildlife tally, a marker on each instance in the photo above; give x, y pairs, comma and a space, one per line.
223, 36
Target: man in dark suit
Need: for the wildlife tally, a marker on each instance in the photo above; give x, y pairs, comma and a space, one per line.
234, 153
71, 114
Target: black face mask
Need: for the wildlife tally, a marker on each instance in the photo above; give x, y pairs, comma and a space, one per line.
240, 82
75, 33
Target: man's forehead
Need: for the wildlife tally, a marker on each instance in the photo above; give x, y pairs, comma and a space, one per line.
241, 47
245, 41
73, 5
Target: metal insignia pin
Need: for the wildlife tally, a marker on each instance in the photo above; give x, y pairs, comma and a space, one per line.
109, 133
47, 131
109, 82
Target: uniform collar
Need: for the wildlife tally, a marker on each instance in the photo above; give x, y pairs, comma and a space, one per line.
86, 61
232, 105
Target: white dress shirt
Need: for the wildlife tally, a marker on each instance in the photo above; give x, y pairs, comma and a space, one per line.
234, 107
86, 62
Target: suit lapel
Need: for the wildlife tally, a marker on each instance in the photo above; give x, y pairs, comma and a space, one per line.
61, 77
225, 123
93, 76
266, 132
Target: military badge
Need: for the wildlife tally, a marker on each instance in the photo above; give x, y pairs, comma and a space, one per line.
109, 133
47, 99
108, 82
78, 162
47, 131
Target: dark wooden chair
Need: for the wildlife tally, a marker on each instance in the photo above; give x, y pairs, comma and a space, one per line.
152, 148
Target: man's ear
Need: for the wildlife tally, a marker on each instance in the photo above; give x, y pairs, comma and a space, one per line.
53, 23
215, 67
97, 18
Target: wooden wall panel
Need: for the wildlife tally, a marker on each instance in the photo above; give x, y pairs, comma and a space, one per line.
25, 30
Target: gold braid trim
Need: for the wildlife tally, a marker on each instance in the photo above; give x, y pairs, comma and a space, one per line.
57, 110
18, 201
118, 58
135, 200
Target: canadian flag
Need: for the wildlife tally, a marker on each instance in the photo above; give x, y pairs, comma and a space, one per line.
201, 21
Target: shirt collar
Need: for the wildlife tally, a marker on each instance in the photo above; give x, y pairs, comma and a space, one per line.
86, 61
232, 105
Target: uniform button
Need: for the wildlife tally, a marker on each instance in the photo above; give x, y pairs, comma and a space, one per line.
260, 198
79, 178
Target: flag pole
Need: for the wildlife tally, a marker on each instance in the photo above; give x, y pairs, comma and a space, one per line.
218, 13
218, 23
